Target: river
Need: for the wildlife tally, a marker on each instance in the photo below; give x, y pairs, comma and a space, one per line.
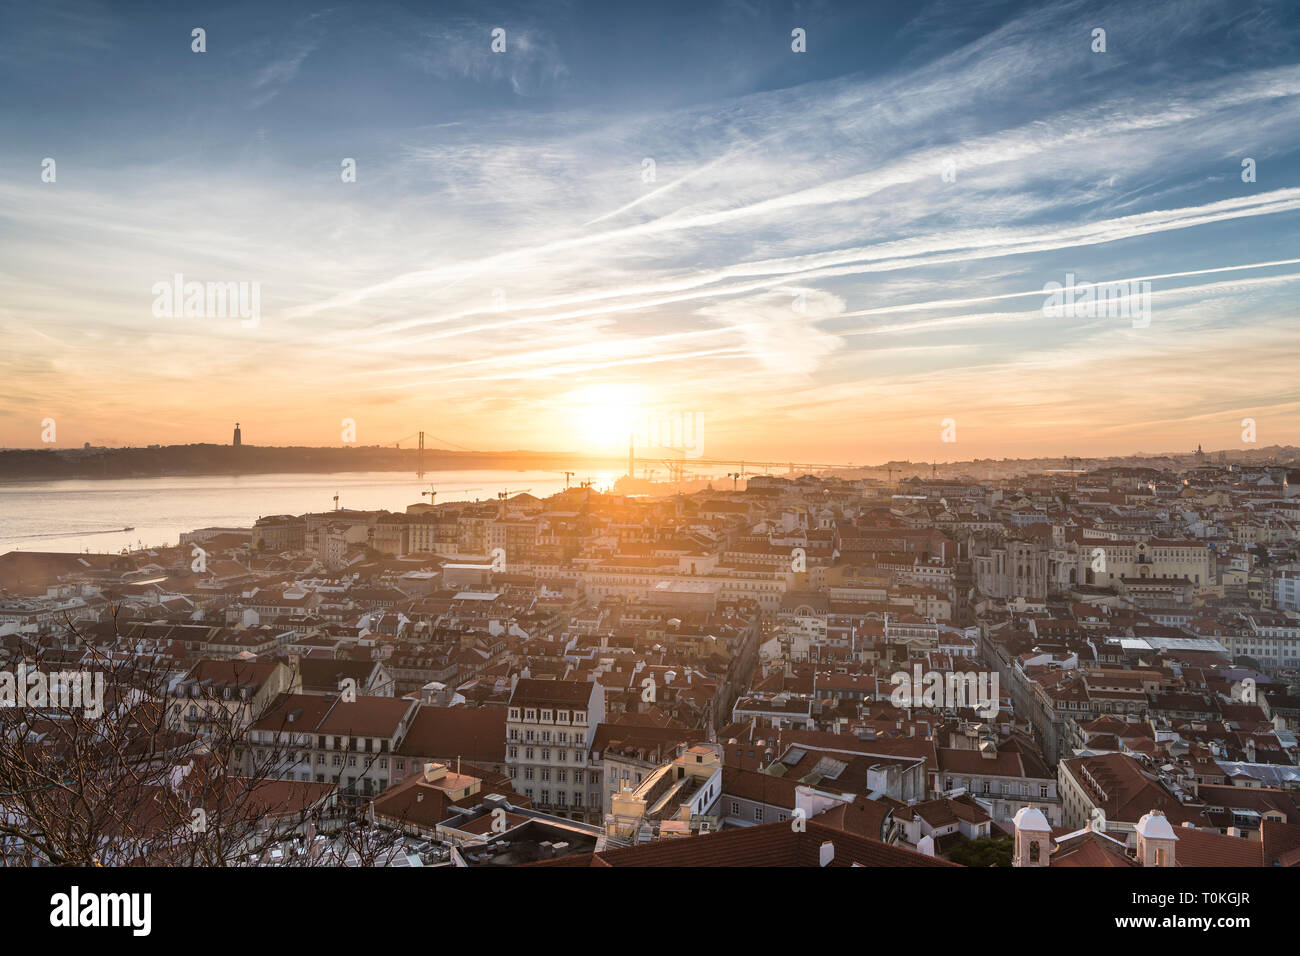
80, 515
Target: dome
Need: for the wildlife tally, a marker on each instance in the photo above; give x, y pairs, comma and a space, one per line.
1155, 826
1032, 819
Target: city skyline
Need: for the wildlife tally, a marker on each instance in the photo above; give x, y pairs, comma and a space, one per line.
830, 255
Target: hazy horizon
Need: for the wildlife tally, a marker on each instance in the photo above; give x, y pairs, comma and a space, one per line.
1248, 450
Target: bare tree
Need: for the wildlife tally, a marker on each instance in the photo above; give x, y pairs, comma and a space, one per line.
95, 770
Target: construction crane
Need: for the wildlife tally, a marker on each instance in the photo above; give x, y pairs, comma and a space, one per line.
567, 476
433, 492
505, 493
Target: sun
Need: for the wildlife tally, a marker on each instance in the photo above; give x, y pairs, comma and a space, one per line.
603, 416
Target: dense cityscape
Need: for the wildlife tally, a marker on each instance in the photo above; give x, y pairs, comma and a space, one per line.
1070, 667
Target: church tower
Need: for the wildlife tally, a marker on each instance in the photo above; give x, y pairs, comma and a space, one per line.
237, 437
1033, 846
1155, 840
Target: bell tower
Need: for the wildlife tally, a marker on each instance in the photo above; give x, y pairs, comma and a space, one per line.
1155, 840
1033, 845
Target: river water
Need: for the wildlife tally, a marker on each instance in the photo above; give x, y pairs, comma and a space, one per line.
80, 515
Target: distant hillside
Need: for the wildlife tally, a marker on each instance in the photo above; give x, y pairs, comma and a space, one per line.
175, 460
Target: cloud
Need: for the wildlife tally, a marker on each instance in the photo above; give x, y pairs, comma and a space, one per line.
496, 250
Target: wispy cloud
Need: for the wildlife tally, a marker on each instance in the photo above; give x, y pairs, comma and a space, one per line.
799, 259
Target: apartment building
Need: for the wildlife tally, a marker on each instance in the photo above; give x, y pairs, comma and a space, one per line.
349, 743
221, 697
550, 728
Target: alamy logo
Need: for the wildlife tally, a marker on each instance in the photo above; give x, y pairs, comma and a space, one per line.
681, 432
1092, 300
67, 690
1243, 691
74, 908
977, 689
208, 300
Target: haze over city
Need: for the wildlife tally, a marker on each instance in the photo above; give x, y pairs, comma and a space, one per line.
660, 209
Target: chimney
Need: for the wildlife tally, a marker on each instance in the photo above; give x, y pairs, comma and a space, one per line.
826, 854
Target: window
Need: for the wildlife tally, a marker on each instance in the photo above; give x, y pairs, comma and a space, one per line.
735, 808
758, 814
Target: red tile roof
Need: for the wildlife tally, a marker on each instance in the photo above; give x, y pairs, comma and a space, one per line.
769, 845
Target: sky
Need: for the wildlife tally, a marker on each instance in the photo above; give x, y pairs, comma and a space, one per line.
653, 220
